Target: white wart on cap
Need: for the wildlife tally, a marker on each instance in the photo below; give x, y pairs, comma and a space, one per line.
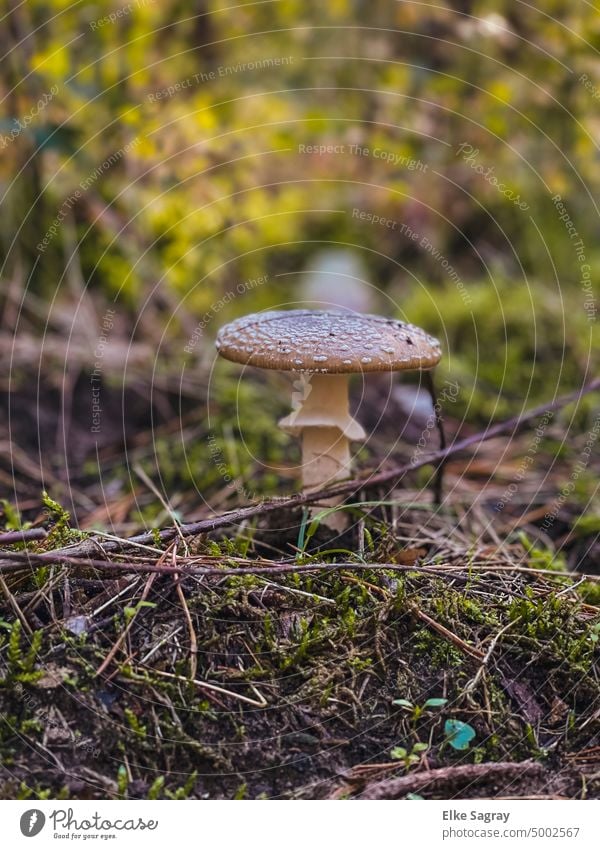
323, 342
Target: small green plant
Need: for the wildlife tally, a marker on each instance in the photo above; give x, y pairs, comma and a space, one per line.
136, 726
156, 788
417, 711
241, 792
399, 753
185, 790
541, 558
12, 517
458, 734
130, 612
21, 663
61, 532
594, 634
122, 781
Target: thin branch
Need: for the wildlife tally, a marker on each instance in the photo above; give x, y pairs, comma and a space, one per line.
212, 687
262, 567
13, 537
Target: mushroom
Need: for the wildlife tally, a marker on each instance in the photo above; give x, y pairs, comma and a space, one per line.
325, 348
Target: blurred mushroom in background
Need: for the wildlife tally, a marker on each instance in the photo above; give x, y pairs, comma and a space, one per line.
336, 278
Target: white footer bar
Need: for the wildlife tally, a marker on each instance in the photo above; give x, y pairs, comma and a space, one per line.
301, 825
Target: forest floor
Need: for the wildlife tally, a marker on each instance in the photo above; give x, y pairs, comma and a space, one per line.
428, 652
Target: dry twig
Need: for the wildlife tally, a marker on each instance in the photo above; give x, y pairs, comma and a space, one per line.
450, 777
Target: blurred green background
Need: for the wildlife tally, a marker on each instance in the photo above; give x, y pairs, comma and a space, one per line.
170, 152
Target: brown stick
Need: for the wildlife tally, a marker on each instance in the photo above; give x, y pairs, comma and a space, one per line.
190, 627
447, 634
87, 547
12, 537
455, 776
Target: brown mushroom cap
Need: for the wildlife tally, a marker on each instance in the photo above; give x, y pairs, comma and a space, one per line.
327, 342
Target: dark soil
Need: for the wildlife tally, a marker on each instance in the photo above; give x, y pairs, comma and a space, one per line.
327, 654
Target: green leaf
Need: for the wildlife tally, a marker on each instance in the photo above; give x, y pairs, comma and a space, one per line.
420, 747
435, 703
586, 525
156, 788
398, 753
458, 734
12, 518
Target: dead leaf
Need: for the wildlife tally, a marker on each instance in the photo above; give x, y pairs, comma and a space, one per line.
408, 556
53, 677
558, 711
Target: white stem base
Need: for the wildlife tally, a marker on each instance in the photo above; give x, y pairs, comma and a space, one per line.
325, 457
324, 423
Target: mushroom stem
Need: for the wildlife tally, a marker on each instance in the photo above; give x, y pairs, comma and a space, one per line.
323, 421
325, 457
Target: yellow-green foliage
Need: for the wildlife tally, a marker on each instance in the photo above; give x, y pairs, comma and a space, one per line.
207, 117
